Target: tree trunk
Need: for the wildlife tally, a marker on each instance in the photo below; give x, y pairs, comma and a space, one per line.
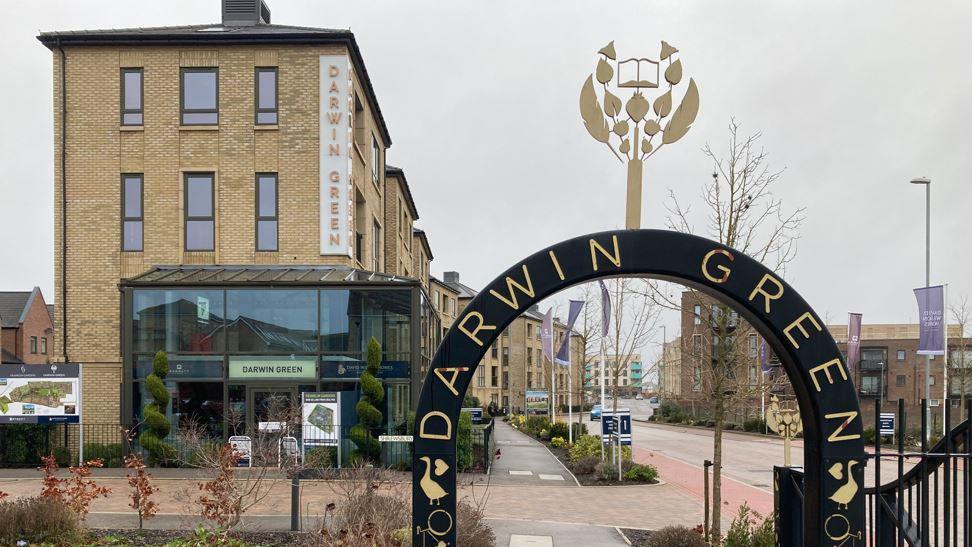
719, 419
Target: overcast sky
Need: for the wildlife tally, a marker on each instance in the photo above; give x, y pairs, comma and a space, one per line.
853, 100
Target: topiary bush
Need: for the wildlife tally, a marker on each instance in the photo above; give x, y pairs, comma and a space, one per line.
369, 417
157, 426
675, 536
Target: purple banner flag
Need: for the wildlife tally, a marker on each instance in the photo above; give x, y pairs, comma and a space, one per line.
605, 308
931, 320
764, 364
563, 354
853, 339
546, 335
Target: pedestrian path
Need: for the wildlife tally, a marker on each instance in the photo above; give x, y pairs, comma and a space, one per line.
523, 460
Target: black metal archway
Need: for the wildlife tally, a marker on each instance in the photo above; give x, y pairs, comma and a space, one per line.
829, 407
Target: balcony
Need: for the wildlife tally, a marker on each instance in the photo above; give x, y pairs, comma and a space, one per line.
872, 364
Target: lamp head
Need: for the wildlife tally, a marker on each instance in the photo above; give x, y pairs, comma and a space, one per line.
921, 180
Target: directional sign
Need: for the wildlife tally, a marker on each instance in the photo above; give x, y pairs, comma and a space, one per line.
886, 421
607, 425
394, 438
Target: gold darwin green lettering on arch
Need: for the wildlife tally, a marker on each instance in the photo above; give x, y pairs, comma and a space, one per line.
828, 401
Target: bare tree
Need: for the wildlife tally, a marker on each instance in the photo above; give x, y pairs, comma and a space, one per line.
741, 212
960, 360
633, 319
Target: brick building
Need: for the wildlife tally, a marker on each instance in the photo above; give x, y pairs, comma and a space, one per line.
515, 362
221, 193
889, 365
26, 330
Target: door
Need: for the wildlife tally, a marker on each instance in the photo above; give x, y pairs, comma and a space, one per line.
272, 409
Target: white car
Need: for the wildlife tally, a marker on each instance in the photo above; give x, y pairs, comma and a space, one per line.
639, 397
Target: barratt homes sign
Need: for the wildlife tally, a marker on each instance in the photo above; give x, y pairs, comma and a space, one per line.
272, 368
831, 414
335, 154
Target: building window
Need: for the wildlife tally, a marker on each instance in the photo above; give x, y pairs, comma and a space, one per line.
529, 355
200, 220
494, 351
506, 380
376, 237
375, 161
901, 355
44, 345
33, 344
481, 377
493, 376
753, 346
901, 380
539, 358
506, 356
131, 96
266, 212
697, 345
697, 378
200, 96
697, 312
529, 330
266, 96
132, 214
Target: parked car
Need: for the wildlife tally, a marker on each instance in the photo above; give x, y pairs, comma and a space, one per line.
596, 412
653, 401
639, 397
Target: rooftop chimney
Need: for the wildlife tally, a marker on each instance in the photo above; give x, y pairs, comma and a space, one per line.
244, 13
450, 277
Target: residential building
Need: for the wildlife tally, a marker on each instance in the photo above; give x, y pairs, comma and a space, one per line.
222, 194
515, 363
889, 366
669, 367
626, 372
26, 330
445, 300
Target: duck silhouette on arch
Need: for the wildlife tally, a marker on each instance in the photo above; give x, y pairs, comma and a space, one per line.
432, 490
845, 494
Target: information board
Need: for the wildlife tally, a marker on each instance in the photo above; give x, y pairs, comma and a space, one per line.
886, 421
40, 394
321, 418
607, 425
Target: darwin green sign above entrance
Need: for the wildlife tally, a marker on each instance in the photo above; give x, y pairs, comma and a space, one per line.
272, 368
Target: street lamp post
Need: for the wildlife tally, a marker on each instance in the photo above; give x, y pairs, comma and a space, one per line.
927, 183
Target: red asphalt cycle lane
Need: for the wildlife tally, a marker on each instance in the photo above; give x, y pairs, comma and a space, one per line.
690, 478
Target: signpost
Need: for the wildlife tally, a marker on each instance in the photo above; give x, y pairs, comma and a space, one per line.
40, 394
321, 421
609, 427
475, 412
886, 421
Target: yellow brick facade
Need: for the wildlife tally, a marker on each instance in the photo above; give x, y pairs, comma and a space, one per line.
98, 150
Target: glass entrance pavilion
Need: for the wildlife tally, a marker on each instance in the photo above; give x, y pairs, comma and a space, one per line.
237, 337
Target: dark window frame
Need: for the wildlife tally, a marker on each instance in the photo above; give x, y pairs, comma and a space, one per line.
276, 210
44, 345
376, 252
33, 345
256, 95
182, 96
141, 100
376, 162
141, 208
185, 209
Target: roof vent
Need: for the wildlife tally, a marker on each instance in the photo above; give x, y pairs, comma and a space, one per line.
237, 13
450, 277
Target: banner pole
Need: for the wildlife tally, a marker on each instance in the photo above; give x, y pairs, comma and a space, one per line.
945, 402
80, 417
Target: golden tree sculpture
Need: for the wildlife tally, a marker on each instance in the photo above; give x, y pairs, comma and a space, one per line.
636, 125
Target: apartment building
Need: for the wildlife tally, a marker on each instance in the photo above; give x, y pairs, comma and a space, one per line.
222, 194
889, 366
622, 371
669, 366
515, 363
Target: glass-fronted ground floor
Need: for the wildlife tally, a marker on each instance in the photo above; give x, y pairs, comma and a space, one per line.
241, 340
